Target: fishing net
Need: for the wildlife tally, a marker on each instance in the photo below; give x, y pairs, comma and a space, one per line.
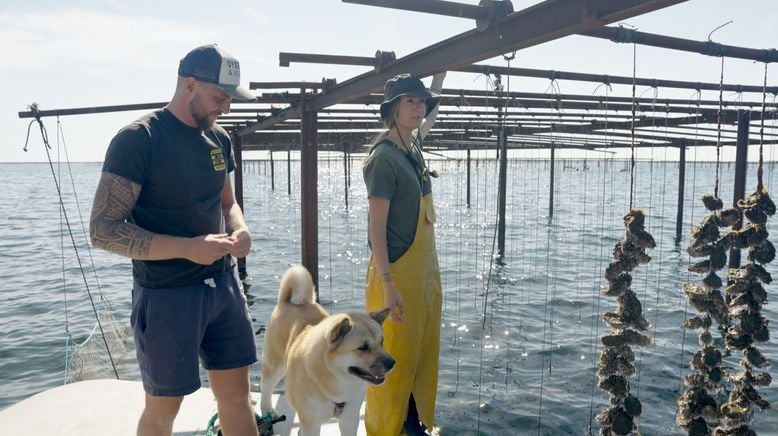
100, 353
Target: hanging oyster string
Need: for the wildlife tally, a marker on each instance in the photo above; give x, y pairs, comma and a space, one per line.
698, 410
617, 359
745, 296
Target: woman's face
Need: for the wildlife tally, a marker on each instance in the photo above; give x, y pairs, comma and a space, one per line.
410, 112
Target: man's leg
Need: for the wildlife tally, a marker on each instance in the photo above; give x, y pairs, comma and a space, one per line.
158, 415
167, 334
231, 388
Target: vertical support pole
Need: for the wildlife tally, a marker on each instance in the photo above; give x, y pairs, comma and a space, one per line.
289, 167
237, 145
272, 172
309, 203
681, 188
551, 185
345, 173
468, 177
503, 188
741, 163
350, 167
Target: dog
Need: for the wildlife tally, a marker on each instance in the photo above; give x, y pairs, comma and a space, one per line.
326, 360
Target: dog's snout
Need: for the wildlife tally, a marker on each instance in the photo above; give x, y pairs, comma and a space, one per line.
388, 363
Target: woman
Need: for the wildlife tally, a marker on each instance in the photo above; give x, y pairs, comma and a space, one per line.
403, 273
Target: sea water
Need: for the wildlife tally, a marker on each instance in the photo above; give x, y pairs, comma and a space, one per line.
520, 332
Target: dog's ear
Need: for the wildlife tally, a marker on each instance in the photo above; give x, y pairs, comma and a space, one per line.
380, 315
339, 331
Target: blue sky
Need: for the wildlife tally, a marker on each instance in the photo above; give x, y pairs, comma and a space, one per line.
93, 53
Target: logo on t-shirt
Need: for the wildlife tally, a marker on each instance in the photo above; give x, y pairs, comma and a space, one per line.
217, 159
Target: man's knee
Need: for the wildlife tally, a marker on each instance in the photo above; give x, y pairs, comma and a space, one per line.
231, 385
162, 409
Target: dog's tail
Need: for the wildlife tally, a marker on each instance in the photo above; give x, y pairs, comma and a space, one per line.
296, 286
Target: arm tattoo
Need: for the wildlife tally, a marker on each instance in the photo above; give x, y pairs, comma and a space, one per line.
114, 200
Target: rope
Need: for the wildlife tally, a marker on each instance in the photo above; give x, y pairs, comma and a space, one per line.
486, 299
68, 337
594, 329
759, 185
61, 133
772, 148
632, 129
582, 259
551, 253
457, 342
47, 147
662, 225
718, 134
689, 261
658, 247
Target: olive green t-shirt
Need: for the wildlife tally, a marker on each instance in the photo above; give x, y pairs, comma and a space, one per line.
395, 175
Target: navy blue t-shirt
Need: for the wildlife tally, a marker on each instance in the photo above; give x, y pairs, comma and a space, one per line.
182, 171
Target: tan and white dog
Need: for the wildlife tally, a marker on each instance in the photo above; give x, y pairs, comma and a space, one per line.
326, 360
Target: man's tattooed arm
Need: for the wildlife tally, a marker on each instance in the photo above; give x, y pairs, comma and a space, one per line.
108, 228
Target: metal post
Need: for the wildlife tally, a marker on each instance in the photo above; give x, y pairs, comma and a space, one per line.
468, 177
309, 200
681, 187
237, 143
289, 168
741, 163
345, 174
272, 172
503, 182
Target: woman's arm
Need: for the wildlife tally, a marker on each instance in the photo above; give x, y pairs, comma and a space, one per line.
378, 210
429, 121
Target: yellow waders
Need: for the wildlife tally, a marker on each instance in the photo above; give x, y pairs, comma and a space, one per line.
415, 343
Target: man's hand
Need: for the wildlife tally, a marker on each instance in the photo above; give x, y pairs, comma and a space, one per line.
241, 243
207, 249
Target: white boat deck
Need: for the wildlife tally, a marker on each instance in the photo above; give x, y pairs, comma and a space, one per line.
112, 407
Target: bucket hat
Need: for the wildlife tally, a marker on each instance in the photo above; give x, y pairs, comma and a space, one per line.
406, 84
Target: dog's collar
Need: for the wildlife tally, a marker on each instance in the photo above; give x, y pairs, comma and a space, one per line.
338, 409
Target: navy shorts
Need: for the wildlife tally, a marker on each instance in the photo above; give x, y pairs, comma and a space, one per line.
173, 326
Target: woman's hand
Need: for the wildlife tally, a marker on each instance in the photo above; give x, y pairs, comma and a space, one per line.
394, 302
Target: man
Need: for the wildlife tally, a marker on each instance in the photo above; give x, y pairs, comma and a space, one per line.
165, 200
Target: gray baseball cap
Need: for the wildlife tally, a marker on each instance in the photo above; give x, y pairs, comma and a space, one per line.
212, 64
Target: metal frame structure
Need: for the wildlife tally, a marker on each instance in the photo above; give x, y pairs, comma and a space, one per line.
328, 115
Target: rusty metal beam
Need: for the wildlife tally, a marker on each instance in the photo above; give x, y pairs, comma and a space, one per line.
284, 59
659, 102
451, 94
542, 74
437, 7
604, 78
546, 21
91, 110
285, 85
709, 48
